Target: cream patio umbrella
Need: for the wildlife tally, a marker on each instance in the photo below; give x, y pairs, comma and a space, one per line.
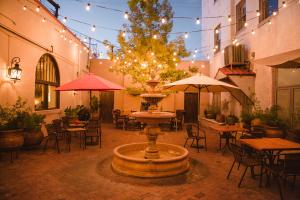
198, 83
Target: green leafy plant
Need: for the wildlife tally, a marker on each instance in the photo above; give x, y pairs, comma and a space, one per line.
271, 118
94, 104
71, 112
83, 113
232, 119
33, 121
211, 111
135, 91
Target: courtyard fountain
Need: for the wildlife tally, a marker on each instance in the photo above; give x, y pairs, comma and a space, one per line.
151, 159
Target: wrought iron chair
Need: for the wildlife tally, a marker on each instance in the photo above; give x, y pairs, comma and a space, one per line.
132, 124
93, 130
54, 133
179, 119
244, 157
193, 133
282, 169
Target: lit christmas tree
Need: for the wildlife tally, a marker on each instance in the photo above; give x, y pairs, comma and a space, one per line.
145, 50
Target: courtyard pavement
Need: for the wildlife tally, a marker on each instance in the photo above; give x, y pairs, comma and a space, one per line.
87, 174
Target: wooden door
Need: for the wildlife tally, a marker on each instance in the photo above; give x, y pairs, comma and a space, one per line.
191, 107
107, 105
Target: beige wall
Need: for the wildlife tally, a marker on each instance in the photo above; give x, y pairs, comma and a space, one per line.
127, 102
29, 25
281, 37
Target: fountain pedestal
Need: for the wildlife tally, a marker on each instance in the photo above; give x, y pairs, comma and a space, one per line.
152, 132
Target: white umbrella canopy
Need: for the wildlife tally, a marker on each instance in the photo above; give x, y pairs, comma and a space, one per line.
198, 83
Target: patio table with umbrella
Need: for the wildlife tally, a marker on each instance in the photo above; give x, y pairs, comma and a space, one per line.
199, 83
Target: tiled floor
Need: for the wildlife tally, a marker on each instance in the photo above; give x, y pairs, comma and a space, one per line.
87, 174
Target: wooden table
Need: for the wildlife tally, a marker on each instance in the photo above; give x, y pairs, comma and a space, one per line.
69, 132
225, 130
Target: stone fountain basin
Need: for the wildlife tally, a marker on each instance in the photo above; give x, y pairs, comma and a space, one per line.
129, 160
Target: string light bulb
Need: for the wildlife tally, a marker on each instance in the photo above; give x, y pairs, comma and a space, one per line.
24, 8
93, 29
163, 20
257, 13
88, 7
269, 22
246, 24
198, 20
229, 18
217, 31
284, 4
123, 33
196, 50
65, 19
155, 36
223, 51
186, 35
43, 20
274, 13
253, 32
126, 15
37, 9
174, 53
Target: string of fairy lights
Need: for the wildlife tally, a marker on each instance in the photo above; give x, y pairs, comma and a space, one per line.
205, 50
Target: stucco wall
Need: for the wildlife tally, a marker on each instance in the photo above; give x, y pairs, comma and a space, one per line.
28, 24
282, 36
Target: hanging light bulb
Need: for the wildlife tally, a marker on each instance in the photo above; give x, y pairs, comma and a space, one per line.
174, 59
43, 20
37, 9
88, 7
93, 29
63, 30
186, 35
269, 22
253, 32
85, 39
216, 47
61, 35
198, 20
246, 24
223, 51
229, 18
284, 4
217, 31
65, 19
193, 61
214, 50
126, 15
65, 38
163, 20
123, 33
194, 55
237, 44
257, 13
208, 57
174, 53
155, 36
274, 13
129, 51
24, 8
152, 54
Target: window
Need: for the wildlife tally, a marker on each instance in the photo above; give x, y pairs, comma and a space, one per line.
46, 81
217, 38
288, 95
240, 15
266, 8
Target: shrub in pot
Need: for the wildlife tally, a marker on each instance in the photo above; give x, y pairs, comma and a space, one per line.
232, 119
83, 113
32, 129
211, 111
11, 125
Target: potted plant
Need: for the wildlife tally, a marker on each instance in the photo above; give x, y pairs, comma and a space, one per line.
232, 119
71, 113
32, 129
274, 126
83, 114
11, 125
246, 117
95, 106
211, 111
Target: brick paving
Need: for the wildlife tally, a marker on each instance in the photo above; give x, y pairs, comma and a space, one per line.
87, 174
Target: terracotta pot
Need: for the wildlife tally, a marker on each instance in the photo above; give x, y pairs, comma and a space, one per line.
11, 139
273, 132
33, 138
220, 118
256, 122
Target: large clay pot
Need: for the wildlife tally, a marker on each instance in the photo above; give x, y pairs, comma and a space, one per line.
273, 132
256, 122
11, 139
33, 138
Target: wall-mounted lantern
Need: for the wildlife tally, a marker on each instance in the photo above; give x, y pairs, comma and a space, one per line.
15, 72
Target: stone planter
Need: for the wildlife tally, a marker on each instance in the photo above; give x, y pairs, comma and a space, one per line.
11, 139
33, 138
256, 122
273, 132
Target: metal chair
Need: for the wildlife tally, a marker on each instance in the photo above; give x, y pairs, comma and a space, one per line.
55, 134
282, 169
242, 156
93, 130
193, 133
179, 119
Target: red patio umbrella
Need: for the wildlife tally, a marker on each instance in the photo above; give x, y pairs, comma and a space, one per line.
90, 82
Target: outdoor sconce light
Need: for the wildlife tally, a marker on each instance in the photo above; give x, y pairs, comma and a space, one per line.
15, 72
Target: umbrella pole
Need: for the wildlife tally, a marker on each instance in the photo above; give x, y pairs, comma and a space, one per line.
198, 110
99, 108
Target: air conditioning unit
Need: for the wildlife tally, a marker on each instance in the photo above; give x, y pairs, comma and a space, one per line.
234, 55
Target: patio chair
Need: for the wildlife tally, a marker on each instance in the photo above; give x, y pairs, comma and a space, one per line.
55, 134
131, 124
193, 133
282, 169
242, 156
118, 120
225, 136
93, 130
179, 119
